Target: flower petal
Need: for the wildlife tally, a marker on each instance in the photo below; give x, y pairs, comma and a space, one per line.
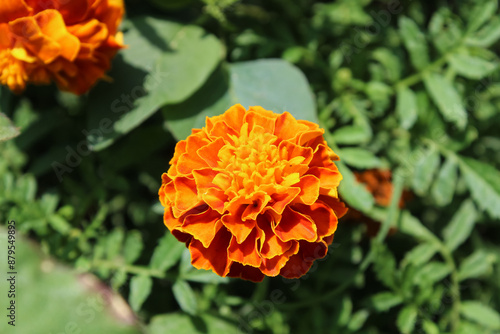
213, 257
246, 252
295, 226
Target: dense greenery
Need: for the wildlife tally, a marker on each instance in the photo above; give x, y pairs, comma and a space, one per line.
410, 86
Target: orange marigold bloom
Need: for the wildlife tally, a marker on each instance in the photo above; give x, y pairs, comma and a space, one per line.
70, 42
253, 193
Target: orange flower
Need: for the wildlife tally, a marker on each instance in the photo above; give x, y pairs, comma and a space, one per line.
70, 42
253, 193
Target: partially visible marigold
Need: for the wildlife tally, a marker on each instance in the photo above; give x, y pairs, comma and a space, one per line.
253, 193
70, 42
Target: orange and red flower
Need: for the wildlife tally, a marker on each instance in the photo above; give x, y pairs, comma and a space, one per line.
69, 42
253, 193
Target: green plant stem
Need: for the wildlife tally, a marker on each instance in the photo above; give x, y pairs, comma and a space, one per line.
131, 269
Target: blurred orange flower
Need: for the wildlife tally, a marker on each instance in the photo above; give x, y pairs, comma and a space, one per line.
70, 42
253, 193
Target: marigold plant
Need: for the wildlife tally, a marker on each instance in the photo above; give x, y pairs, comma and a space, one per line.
253, 193
68, 42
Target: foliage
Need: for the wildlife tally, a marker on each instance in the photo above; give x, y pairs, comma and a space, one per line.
410, 86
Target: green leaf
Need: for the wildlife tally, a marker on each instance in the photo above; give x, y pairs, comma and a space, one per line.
487, 36
483, 181
472, 67
447, 99
185, 297
430, 327
353, 192
406, 319
183, 323
359, 158
114, 243
480, 313
410, 225
460, 226
140, 288
481, 13
352, 134
384, 301
59, 224
132, 247
406, 107
159, 67
203, 276
415, 42
7, 128
431, 273
420, 254
424, 171
476, 265
384, 265
167, 253
444, 187
357, 320
273, 84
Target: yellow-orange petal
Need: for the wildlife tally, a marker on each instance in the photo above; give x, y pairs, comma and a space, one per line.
246, 252
13, 9
203, 226
213, 257
295, 226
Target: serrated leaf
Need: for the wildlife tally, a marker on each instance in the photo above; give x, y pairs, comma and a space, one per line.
407, 318
158, 67
7, 128
132, 247
354, 192
359, 158
415, 42
446, 98
140, 288
424, 171
481, 13
384, 301
444, 187
472, 67
480, 313
420, 254
357, 320
185, 297
351, 134
476, 265
406, 107
483, 181
460, 226
167, 253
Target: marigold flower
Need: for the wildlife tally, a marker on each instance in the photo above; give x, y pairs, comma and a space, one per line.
253, 193
68, 42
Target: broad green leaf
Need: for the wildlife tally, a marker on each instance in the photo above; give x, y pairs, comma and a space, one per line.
480, 313
203, 276
476, 265
359, 158
411, 225
53, 298
273, 84
460, 226
353, 192
7, 128
357, 320
472, 67
420, 254
415, 42
446, 98
132, 247
140, 288
160, 66
431, 273
424, 171
384, 301
167, 253
487, 36
184, 324
481, 13
406, 107
430, 327
185, 297
406, 319
483, 181
351, 134
444, 187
